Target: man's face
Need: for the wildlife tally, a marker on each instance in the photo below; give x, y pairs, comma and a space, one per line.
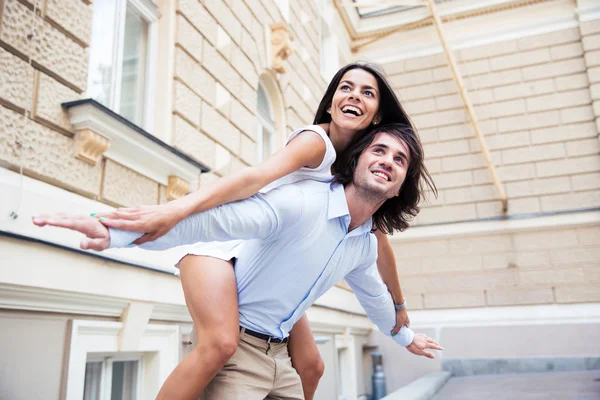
382, 166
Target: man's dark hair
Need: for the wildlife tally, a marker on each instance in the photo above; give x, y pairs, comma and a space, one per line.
390, 109
396, 213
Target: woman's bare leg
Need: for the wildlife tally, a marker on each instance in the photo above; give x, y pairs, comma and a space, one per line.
211, 296
305, 357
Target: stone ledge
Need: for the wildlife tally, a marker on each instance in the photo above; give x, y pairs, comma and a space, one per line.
132, 146
422, 389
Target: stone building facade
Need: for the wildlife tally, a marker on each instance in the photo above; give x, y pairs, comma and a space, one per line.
129, 102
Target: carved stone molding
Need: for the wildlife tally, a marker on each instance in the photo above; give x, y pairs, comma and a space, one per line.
90, 146
281, 46
177, 188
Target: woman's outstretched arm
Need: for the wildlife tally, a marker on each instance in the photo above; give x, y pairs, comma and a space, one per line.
305, 150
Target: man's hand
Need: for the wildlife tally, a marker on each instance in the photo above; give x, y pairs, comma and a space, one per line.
97, 236
153, 221
401, 320
422, 342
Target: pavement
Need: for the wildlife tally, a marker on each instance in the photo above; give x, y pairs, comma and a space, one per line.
572, 385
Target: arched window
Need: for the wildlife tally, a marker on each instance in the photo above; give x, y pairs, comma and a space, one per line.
265, 142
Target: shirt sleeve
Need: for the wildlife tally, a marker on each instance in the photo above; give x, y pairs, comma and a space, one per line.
377, 301
258, 217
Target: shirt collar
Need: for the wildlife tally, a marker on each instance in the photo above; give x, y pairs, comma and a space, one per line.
338, 207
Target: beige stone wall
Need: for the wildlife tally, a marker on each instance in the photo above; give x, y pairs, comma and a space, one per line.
533, 99
590, 38
220, 54
35, 131
537, 266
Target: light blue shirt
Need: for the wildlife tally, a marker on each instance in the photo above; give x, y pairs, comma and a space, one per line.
298, 246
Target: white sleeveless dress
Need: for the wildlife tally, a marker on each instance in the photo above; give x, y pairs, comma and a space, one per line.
228, 250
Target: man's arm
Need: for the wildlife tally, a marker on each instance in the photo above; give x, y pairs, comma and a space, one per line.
377, 301
258, 217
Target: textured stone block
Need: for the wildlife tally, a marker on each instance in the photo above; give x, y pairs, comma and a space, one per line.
458, 212
493, 79
488, 51
431, 265
192, 142
443, 103
187, 103
520, 297
564, 133
565, 51
452, 132
200, 81
441, 118
571, 201
586, 181
534, 153
592, 58
501, 109
520, 59
220, 68
16, 80
243, 13
195, 12
74, 16
530, 121
553, 69
589, 235
126, 187
464, 162
454, 300
538, 187
578, 293
52, 49
248, 150
591, 42
189, 37
515, 172
547, 277
244, 67
559, 100
594, 74
577, 114
428, 90
454, 179
569, 166
220, 129
489, 209
243, 119
529, 205
225, 18
549, 39
522, 90
480, 245
419, 63
570, 82
564, 238
51, 94
477, 67
588, 256
412, 78
48, 155
443, 149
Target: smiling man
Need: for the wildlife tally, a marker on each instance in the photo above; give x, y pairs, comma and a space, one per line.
309, 236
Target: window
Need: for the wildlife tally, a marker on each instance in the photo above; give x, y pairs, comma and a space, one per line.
121, 57
330, 58
266, 125
112, 377
99, 368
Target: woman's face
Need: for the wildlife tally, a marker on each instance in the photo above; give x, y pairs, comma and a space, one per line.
355, 103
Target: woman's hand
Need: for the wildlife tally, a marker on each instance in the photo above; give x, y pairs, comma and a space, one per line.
153, 221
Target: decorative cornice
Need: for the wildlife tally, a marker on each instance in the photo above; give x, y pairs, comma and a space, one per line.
90, 146
131, 146
281, 46
505, 225
177, 188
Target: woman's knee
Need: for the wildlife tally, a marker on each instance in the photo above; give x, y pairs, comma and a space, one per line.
222, 343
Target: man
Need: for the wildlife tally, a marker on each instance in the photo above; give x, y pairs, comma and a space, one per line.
309, 236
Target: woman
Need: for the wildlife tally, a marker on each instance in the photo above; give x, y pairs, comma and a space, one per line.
358, 97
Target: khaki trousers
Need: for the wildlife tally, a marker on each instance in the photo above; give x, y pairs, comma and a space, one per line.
258, 370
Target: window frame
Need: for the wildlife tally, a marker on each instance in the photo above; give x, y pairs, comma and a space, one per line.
263, 125
148, 11
107, 360
158, 344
